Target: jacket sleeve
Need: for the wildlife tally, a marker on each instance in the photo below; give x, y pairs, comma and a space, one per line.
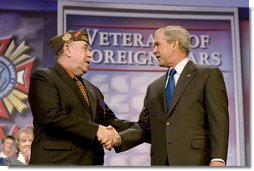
139, 132
107, 116
216, 101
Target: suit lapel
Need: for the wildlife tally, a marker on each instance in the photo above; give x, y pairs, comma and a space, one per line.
92, 97
161, 94
71, 83
187, 74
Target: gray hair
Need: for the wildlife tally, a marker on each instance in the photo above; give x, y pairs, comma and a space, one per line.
177, 33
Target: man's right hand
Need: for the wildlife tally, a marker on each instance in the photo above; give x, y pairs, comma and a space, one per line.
108, 137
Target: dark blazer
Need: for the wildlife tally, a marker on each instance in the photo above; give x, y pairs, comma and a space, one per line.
64, 126
12, 160
195, 129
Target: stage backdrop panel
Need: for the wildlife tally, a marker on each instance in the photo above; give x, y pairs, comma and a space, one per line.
123, 65
23, 48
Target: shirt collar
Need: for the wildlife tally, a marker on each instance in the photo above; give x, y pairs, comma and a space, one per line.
72, 75
180, 66
2, 155
21, 158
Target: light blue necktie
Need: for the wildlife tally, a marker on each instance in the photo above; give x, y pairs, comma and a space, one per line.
170, 87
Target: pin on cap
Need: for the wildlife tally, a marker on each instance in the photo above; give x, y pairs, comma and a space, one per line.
57, 42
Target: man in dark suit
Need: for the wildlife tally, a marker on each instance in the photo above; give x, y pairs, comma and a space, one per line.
70, 117
193, 128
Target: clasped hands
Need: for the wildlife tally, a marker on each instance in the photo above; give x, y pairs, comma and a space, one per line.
108, 137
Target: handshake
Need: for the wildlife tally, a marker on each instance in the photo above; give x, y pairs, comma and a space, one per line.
108, 137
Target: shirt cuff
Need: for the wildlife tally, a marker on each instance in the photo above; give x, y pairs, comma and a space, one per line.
218, 159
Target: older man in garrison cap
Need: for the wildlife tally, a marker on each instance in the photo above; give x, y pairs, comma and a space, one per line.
71, 121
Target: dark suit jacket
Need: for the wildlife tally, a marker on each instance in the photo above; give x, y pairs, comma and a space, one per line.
64, 126
195, 129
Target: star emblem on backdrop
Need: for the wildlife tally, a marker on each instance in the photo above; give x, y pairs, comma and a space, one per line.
15, 69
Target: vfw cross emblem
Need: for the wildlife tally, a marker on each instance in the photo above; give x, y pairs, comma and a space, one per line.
15, 70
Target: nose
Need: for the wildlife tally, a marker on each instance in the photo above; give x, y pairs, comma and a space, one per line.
155, 50
89, 54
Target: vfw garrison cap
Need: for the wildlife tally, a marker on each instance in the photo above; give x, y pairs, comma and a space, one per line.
57, 42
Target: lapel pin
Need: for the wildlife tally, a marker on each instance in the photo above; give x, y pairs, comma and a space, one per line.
188, 75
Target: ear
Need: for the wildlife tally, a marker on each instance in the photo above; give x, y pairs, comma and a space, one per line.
67, 50
175, 44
